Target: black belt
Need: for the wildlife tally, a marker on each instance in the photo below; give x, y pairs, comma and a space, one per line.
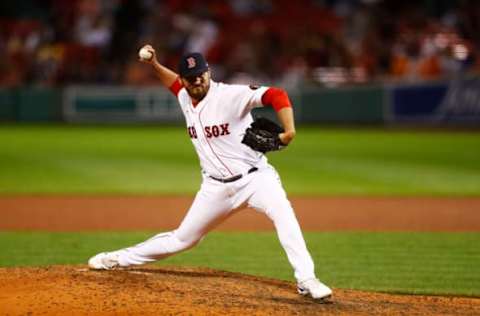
234, 178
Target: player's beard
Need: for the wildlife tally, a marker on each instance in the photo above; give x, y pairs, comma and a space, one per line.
198, 92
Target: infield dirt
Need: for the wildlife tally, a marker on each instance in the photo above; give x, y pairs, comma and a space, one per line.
74, 213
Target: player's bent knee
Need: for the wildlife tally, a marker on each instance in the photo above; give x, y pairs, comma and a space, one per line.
181, 244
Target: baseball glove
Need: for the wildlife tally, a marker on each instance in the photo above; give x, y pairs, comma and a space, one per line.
262, 135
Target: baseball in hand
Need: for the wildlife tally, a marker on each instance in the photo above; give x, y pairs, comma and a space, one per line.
145, 54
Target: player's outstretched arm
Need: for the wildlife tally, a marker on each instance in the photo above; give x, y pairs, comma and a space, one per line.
285, 116
167, 76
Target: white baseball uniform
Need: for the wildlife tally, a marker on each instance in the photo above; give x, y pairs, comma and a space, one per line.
216, 126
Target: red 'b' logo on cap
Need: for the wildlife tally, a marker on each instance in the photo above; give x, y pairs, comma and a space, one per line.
191, 62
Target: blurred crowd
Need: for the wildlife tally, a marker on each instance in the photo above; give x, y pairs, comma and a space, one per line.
282, 42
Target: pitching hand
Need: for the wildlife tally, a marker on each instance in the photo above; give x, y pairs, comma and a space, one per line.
286, 137
151, 60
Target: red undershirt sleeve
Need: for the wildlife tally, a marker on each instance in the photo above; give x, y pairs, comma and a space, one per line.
276, 98
176, 87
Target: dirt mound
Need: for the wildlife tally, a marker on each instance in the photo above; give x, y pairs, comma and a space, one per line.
74, 290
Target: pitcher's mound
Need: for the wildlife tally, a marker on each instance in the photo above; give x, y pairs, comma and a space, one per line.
75, 290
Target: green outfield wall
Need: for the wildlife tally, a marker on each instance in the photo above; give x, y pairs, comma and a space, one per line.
31, 104
78, 104
8, 105
342, 105
456, 101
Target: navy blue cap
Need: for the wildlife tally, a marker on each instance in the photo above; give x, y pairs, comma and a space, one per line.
192, 64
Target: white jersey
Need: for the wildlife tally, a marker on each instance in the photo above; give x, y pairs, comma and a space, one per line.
217, 124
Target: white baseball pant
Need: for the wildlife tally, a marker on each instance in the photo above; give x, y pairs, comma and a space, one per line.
214, 202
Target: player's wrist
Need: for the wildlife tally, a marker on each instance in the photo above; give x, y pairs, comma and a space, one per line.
156, 64
290, 133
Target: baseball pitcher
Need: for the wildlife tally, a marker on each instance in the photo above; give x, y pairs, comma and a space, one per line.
230, 147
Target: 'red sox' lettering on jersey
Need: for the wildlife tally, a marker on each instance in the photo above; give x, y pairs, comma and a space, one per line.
210, 131
192, 132
217, 130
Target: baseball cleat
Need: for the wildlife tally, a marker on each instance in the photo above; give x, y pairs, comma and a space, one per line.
315, 288
104, 261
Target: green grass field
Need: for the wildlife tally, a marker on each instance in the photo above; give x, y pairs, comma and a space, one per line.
161, 160
420, 263
57, 159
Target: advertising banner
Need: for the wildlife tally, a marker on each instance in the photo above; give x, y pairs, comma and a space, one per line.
456, 101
